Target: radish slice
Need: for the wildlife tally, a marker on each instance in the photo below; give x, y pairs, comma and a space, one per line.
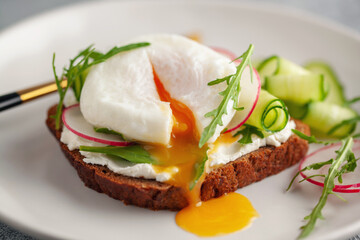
250, 91
224, 52
328, 152
249, 96
75, 122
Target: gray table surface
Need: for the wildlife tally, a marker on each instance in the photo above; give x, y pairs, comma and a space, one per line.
345, 12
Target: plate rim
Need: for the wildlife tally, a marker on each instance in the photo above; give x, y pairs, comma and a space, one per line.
289, 11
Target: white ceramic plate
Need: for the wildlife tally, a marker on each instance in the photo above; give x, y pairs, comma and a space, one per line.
40, 192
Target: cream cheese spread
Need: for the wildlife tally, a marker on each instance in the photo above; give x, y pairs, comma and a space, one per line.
228, 152
224, 154
120, 166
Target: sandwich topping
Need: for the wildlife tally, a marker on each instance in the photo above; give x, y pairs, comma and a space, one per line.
159, 96
170, 109
180, 105
121, 94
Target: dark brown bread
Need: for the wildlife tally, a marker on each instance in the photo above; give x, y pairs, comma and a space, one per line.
154, 195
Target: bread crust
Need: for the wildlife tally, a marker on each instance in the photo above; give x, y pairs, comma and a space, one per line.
154, 195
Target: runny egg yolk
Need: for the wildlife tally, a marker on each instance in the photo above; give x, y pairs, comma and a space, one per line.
222, 215
224, 139
183, 151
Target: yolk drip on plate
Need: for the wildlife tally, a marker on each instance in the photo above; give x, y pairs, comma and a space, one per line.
222, 215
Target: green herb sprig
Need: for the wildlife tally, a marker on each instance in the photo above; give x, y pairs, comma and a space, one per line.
247, 132
230, 93
312, 138
344, 162
108, 131
78, 68
132, 153
352, 101
344, 154
356, 135
199, 170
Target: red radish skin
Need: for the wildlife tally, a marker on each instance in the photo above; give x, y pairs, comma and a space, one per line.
232, 56
349, 188
342, 188
224, 52
94, 139
253, 106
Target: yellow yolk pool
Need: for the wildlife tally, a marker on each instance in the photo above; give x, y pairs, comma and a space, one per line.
222, 215
227, 214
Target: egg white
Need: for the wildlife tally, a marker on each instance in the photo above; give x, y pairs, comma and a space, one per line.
120, 94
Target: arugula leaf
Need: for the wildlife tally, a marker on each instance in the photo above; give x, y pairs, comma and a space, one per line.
345, 162
352, 101
312, 139
356, 135
108, 131
348, 167
133, 153
247, 132
344, 154
315, 175
199, 170
343, 123
230, 93
314, 166
78, 68
220, 80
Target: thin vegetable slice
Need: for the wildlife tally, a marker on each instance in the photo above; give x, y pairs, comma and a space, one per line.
231, 93
336, 91
352, 179
225, 52
75, 122
299, 89
297, 111
323, 116
250, 92
275, 65
270, 113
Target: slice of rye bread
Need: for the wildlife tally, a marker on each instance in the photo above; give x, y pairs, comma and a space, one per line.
154, 195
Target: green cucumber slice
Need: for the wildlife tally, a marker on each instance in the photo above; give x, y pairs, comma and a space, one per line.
296, 110
275, 65
336, 91
323, 116
270, 113
299, 89
268, 67
288, 67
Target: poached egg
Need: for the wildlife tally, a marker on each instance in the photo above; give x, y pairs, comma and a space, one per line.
158, 96
121, 94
